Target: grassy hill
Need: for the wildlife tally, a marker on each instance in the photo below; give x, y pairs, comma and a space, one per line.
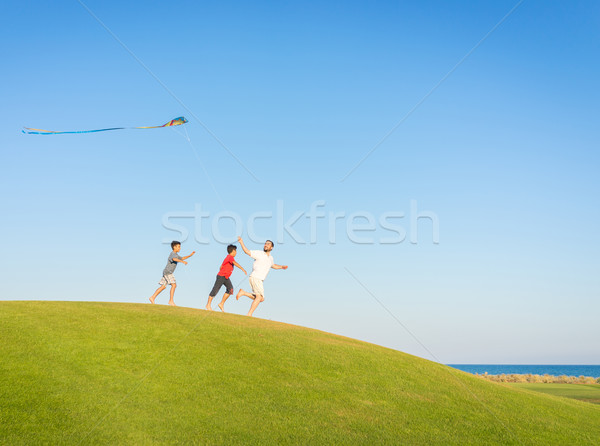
105, 373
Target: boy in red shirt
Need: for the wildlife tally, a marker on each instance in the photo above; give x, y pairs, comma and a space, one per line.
223, 278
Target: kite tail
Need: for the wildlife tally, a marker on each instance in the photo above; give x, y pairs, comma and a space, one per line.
177, 121
50, 132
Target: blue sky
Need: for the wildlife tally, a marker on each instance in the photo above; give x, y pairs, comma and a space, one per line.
504, 153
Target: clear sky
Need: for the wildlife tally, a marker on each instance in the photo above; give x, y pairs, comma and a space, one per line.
284, 100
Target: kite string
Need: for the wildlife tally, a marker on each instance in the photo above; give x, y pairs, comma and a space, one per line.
180, 133
187, 135
195, 151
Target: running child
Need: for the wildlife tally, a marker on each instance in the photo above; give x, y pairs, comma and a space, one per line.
223, 278
168, 278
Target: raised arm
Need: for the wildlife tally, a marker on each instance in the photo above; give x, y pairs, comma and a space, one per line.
187, 257
243, 246
275, 266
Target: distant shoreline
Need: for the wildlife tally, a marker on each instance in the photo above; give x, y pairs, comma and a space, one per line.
540, 379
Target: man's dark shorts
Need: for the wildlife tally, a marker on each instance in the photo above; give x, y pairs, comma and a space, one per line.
221, 280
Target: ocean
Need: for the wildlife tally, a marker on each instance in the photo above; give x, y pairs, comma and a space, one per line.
525, 369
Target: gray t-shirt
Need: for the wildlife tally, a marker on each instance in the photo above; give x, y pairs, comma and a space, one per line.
171, 264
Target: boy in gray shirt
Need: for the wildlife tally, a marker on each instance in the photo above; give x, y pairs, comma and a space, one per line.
168, 278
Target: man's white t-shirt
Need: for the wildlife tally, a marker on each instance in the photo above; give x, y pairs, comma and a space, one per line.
262, 264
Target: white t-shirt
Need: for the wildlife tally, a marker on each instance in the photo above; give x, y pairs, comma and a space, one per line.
262, 264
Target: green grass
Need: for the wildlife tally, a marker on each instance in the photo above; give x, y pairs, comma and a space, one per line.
105, 373
582, 392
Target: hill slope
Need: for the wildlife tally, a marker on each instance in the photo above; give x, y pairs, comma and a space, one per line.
76, 372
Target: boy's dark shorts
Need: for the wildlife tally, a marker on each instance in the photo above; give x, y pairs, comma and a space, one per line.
221, 280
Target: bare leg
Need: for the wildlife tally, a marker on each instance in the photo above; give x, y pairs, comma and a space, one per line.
171, 302
221, 305
208, 307
157, 292
241, 293
257, 300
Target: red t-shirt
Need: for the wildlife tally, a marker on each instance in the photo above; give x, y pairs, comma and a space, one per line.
226, 267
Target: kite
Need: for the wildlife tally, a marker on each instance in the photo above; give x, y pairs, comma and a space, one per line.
177, 121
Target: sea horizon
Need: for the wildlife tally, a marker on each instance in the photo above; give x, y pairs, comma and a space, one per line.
592, 370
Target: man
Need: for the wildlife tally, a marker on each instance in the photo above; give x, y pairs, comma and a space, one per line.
263, 262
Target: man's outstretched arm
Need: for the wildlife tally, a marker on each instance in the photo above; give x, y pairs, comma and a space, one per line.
243, 246
279, 266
